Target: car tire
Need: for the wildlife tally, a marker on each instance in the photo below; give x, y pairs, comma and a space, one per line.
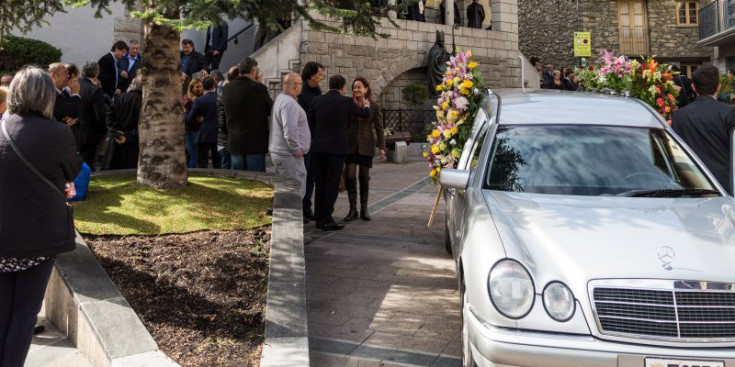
447, 240
467, 360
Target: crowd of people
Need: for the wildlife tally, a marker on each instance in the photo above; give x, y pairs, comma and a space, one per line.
561, 79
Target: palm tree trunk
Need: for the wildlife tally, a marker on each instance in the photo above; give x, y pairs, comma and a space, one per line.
162, 163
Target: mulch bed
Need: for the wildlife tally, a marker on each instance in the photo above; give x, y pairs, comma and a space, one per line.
201, 295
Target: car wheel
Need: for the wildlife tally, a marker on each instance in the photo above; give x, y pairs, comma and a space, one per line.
467, 360
447, 240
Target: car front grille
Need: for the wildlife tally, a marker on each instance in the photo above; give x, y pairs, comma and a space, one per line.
676, 315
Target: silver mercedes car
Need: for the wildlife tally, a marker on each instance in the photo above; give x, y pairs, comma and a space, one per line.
586, 233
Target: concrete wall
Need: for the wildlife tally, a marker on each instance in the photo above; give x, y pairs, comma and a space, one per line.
392, 96
80, 36
547, 28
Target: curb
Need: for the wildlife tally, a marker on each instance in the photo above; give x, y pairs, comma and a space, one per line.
84, 304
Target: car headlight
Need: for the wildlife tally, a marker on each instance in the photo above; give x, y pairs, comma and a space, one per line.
511, 289
559, 301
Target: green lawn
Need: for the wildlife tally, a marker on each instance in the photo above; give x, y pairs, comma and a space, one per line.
117, 205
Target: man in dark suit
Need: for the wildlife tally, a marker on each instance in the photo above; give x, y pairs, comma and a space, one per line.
66, 106
247, 105
205, 108
109, 72
216, 45
706, 125
475, 15
122, 122
191, 60
548, 76
311, 76
331, 113
91, 113
130, 63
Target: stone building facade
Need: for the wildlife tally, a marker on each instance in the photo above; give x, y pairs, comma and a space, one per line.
546, 29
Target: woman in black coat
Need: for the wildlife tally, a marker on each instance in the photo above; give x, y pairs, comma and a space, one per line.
35, 222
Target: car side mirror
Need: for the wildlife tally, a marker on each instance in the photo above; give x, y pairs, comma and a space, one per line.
454, 178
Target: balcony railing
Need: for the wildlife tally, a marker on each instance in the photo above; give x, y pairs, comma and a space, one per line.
716, 17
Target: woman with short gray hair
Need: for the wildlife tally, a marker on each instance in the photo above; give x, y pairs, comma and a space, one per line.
38, 161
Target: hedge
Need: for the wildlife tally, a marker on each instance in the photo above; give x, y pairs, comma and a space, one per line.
17, 52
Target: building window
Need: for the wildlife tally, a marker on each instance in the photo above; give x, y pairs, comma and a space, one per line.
689, 69
633, 27
687, 13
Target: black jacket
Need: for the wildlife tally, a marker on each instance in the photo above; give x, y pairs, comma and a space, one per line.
218, 33
124, 115
206, 107
475, 15
197, 62
247, 107
331, 114
34, 219
122, 65
307, 95
221, 124
706, 126
91, 111
108, 74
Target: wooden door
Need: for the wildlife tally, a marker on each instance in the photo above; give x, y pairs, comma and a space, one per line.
633, 27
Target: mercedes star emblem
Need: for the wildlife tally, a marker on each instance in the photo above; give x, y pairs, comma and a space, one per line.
667, 255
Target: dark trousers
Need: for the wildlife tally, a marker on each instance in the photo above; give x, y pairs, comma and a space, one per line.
22, 294
327, 169
205, 152
306, 201
213, 61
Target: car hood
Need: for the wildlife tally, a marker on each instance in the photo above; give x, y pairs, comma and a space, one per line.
580, 238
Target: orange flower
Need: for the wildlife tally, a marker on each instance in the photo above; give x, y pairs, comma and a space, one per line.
671, 97
667, 76
667, 109
660, 102
652, 65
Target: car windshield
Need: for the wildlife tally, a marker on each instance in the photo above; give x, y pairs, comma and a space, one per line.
592, 160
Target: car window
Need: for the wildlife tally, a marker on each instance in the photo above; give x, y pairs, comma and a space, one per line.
589, 160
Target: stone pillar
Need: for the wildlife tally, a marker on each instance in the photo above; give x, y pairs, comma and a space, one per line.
128, 28
505, 15
392, 13
449, 12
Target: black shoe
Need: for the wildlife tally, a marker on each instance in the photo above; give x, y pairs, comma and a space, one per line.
38, 329
364, 214
333, 226
352, 215
308, 214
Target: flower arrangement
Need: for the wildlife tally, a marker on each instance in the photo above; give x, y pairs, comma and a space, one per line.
646, 80
455, 110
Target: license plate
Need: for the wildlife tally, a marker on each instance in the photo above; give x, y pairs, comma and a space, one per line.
661, 362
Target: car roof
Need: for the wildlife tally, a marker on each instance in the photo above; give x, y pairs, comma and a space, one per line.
541, 107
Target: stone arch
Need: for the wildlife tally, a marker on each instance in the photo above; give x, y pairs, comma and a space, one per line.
393, 70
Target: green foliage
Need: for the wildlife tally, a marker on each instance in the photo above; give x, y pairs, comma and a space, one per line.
726, 84
414, 94
17, 52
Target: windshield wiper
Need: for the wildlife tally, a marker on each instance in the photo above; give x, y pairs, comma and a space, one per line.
669, 192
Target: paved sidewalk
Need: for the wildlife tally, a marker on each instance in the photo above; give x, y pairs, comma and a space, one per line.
52, 349
384, 293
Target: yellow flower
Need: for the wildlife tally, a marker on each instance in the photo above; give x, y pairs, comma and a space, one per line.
432, 173
435, 133
472, 65
428, 137
447, 134
442, 146
455, 113
426, 154
457, 80
435, 149
449, 82
467, 84
456, 153
454, 130
448, 72
451, 118
465, 91
439, 87
445, 105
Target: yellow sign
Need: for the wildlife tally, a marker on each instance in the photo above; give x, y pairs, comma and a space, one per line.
582, 44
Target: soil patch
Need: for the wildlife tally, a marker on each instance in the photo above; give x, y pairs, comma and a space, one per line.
201, 295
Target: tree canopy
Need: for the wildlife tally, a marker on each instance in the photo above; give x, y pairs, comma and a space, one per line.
358, 16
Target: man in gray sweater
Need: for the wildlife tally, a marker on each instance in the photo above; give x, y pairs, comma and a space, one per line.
290, 137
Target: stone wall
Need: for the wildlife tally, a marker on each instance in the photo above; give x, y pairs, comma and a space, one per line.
383, 60
392, 96
547, 26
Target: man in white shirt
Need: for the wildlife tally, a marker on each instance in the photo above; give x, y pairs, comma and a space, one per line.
290, 137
